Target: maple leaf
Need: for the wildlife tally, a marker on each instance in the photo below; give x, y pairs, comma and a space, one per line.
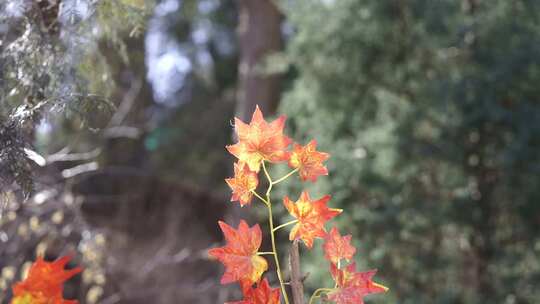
337, 247
260, 140
240, 254
44, 283
311, 216
243, 182
352, 286
308, 161
263, 294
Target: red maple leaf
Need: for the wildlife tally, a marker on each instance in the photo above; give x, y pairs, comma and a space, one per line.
352, 286
44, 283
337, 247
240, 254
311, 216
260, 140
263, 294
243, 182
308, 161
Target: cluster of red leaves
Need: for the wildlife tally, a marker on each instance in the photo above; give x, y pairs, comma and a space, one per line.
258, 142
44, 283
261, 141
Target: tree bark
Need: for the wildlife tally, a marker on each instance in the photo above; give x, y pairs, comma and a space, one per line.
259, 34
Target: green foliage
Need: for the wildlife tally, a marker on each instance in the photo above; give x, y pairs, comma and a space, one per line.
430, 110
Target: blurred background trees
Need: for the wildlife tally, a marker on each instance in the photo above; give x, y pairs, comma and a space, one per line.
114, 114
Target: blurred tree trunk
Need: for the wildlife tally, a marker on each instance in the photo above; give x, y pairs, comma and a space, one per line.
124, 136
259, 34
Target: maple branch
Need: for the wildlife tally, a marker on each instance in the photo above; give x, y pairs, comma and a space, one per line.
296, 276
279, 180
272, 236
276, 258
265, 253
260, 197
285, 225
270, 182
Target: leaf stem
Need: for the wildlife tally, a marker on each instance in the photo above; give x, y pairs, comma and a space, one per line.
260, 197
338, 267
286, 224
279, 180
313, 297
265, 253
270, 182
316, 294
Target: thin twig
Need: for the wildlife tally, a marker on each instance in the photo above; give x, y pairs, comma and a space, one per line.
259, 197
285, 225
272, 235
279, 180
296, 276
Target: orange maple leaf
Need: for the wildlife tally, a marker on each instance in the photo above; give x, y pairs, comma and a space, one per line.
308, 161
311, 216
243, 182
263, 294
352, 286
240, 254
44, 283
337, 247
260, 140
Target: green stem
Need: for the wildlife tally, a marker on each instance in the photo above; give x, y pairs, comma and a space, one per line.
276, 258
316, 294
285, 225
279, 180
338, 267
272, 236
313, 297
260, 197
270, 182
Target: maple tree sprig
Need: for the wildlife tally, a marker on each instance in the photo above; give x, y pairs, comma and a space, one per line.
259, 144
